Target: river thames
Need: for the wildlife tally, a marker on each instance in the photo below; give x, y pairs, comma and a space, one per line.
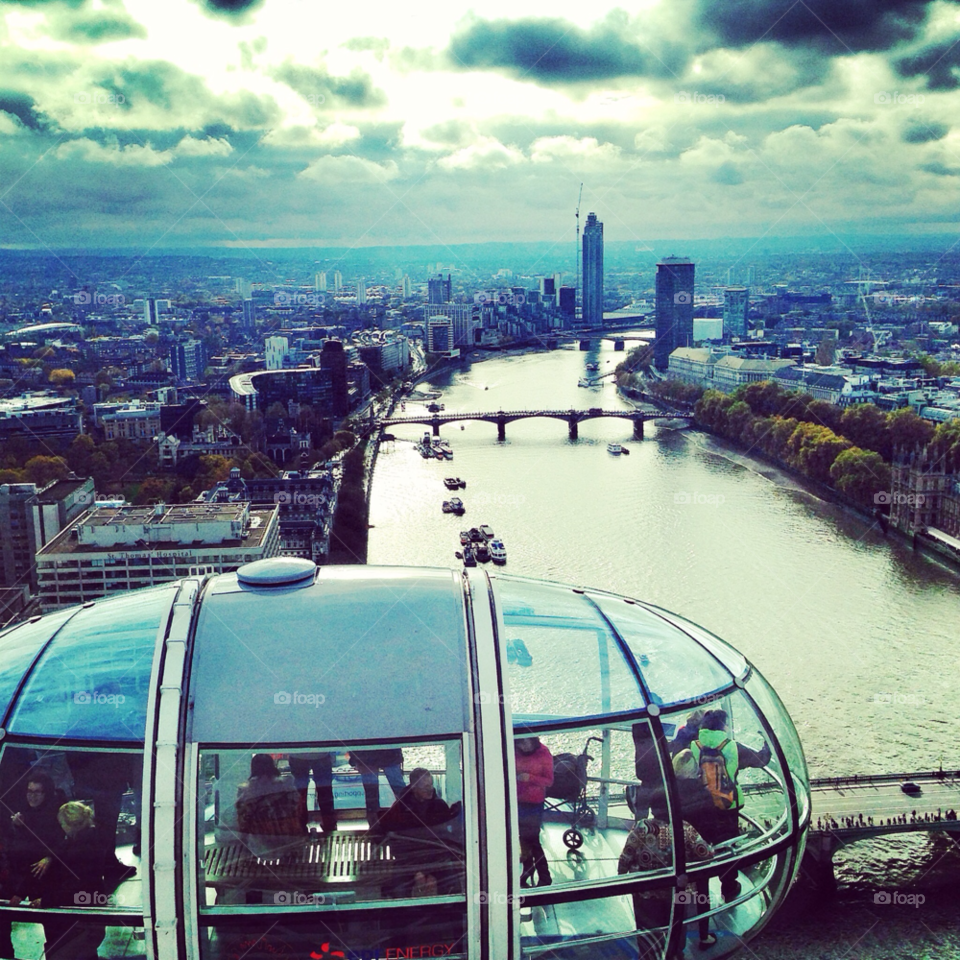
859, 635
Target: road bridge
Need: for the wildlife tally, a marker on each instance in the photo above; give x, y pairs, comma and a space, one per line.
573, 418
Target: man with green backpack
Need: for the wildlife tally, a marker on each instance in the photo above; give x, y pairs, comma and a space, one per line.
719, 759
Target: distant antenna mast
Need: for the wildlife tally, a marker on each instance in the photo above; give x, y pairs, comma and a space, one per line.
576, 292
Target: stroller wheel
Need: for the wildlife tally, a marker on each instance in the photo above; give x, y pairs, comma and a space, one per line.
573, 838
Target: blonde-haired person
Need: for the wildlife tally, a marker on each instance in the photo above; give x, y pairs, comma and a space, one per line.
75, 879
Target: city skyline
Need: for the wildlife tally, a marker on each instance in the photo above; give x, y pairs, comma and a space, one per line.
267, 124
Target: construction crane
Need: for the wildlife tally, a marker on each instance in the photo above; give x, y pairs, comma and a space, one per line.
576, 292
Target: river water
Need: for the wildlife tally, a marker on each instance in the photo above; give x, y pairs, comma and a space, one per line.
859, 636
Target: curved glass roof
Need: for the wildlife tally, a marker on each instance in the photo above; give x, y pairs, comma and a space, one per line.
93, 680
284, 662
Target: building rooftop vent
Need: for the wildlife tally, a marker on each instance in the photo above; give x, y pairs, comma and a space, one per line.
276, 572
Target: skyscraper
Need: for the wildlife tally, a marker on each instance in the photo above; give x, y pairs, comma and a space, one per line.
439, 290
150, 312
337, 281
406, 287
249, 322
675, 282
320, 282
361, 290
736, 303
593, 272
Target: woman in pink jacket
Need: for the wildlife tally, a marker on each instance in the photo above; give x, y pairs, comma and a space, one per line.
534, 764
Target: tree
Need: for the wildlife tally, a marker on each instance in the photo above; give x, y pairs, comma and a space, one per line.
907, 430
62, 377
860, 475
42, 470
823, 412
154, 490
826, 352
79, 453
866, 426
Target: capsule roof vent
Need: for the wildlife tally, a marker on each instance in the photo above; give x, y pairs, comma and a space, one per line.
276, 572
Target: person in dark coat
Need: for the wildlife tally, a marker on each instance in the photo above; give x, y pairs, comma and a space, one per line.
417, 806
650, 795
30, 840
75, 879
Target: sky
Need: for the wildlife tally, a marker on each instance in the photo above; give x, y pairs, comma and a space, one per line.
279, 123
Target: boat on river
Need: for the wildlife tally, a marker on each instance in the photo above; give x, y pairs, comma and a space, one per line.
454, 505
483, 552
615, 448
469, 557
454, 483
498, 552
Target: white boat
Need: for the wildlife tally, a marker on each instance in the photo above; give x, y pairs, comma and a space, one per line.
615, 449
498, 552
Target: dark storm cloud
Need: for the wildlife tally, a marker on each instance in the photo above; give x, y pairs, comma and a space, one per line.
939, 63
551, 50
22, 107
940, 169
917, 132
237, 10
834, 26
318, 87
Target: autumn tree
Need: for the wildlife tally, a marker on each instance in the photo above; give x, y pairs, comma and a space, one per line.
42, 470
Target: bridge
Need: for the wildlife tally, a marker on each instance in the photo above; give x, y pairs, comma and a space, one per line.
586, 337
501, 418
847, 809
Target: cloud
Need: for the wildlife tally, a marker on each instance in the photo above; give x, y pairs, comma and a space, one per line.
100, 27
919, 132
378, 46
833, 26
131, 155
487, 153
208, 147
318, 87
237, 11
22, 107
349, 169
937, 63
555, 51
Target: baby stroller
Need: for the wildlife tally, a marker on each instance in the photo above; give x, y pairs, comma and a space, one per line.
569, 790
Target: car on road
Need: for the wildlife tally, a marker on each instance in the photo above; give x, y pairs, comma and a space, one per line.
908, 786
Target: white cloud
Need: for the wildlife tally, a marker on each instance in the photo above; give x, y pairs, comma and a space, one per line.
209, 147
132, 155
348, 169
487, 153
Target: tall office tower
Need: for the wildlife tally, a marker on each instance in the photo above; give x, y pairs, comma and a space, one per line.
407, 287
567, 302
439, 290
337, 281
274, 350
320, 282
188, 359
736, 304
361, 290
244, 288
548, 287
675, 282
249, 324
150, 312
593, 272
